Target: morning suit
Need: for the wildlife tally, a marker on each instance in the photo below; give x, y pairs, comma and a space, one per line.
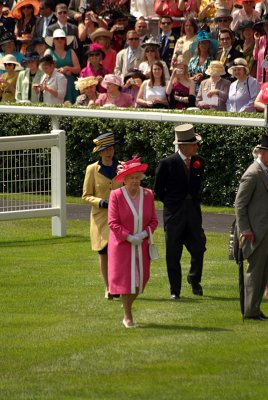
123, 64
229, 61
180, 191
167, 47
39, 25
251, 207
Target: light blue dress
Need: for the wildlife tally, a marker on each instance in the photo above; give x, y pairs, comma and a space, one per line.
242, 95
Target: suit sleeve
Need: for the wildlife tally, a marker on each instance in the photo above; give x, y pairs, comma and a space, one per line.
245, 192
160, 180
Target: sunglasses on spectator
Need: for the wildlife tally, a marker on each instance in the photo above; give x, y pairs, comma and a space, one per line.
149, 50
8, 64
59, 38
28, 6
165, 23
62, 12
223, 20
133, 38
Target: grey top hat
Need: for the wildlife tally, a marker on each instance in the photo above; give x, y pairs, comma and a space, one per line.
185, 134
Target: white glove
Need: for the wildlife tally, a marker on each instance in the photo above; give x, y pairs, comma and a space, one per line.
134, 239
142, 234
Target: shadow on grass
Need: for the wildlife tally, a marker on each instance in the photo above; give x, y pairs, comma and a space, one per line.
43, 242
183, 328
182, 300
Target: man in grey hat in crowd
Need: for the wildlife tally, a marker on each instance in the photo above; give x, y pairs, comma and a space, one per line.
251, 209
178, 185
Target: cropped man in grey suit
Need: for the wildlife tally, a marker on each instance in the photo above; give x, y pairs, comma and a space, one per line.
251, 207
131, 57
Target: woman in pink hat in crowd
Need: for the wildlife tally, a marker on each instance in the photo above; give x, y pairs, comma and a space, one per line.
114, 96
66, 60
96, 55
131, 217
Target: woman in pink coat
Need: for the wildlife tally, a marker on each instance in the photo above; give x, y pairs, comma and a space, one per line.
131, 214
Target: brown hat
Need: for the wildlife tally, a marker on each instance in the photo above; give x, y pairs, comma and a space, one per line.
185, 135
101, 32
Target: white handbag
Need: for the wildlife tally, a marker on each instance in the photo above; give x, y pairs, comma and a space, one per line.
153, 252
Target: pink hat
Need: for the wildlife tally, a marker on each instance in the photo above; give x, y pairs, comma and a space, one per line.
130, 167
110, 78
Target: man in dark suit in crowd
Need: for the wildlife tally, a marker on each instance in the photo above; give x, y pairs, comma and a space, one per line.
6, 23
227, 52
178, 186
251, 208
167, 39
62, 23
47, 18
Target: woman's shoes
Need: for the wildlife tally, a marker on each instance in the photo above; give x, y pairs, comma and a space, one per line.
128, 324
108, 296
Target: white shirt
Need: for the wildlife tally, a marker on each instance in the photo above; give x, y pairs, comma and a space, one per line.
58, 82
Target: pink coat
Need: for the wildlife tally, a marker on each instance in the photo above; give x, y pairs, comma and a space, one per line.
258, 54
121, 254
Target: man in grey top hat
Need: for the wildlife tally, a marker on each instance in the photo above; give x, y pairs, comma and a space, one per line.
251, 208
178, 185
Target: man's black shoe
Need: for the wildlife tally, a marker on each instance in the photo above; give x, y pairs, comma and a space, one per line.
197, 289
257, 318
174, 297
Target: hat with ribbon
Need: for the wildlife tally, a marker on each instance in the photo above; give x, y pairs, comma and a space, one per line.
101, 32
185, 134
203, 36
16, 11
104, 141
83, 83
150, 42
264, 143
59, 33
111, 78
10, 59
223, 13
130, 167
239, 62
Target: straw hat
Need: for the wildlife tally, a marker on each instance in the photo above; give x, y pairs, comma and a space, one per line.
59, 33
110, 78
82, 83
239, 62
185, 135
130, 167
10, 59
215, 68
16, 11
104, 141
223, 13
101, 32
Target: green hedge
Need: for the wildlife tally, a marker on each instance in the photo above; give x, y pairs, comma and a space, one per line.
227, 149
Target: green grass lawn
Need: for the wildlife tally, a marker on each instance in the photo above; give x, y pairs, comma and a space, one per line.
61, 340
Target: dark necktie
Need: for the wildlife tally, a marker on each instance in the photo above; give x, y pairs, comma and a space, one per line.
163, 44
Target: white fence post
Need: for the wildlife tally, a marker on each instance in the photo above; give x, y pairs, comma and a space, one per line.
58, 189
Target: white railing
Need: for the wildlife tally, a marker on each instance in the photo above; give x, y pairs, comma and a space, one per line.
33, 178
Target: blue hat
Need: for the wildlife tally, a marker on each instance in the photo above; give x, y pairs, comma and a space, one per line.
104, 141
203, 36
30, 56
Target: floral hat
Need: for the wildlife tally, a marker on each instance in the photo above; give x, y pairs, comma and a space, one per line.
130, 167
203, 36
83, 83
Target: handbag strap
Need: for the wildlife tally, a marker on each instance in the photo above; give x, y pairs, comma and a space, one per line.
151, 238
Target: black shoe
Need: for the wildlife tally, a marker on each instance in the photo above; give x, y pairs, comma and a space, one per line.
263, 315
174, 297
197, 289
257, 318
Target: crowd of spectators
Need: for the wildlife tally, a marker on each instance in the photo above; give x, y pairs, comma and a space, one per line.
209, 54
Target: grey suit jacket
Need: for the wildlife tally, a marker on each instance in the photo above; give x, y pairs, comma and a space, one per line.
251, 206
122, 65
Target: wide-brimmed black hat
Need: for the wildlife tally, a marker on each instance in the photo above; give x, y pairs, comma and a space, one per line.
258, 26
264, 143
246, 25
104, 141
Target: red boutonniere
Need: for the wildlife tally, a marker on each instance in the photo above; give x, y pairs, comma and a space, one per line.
196, 164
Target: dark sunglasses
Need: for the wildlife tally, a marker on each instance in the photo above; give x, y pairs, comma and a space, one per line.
29, 6
59, 38
62, 12
223, 20
165, 23
133, 38
149, 50
8, 64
